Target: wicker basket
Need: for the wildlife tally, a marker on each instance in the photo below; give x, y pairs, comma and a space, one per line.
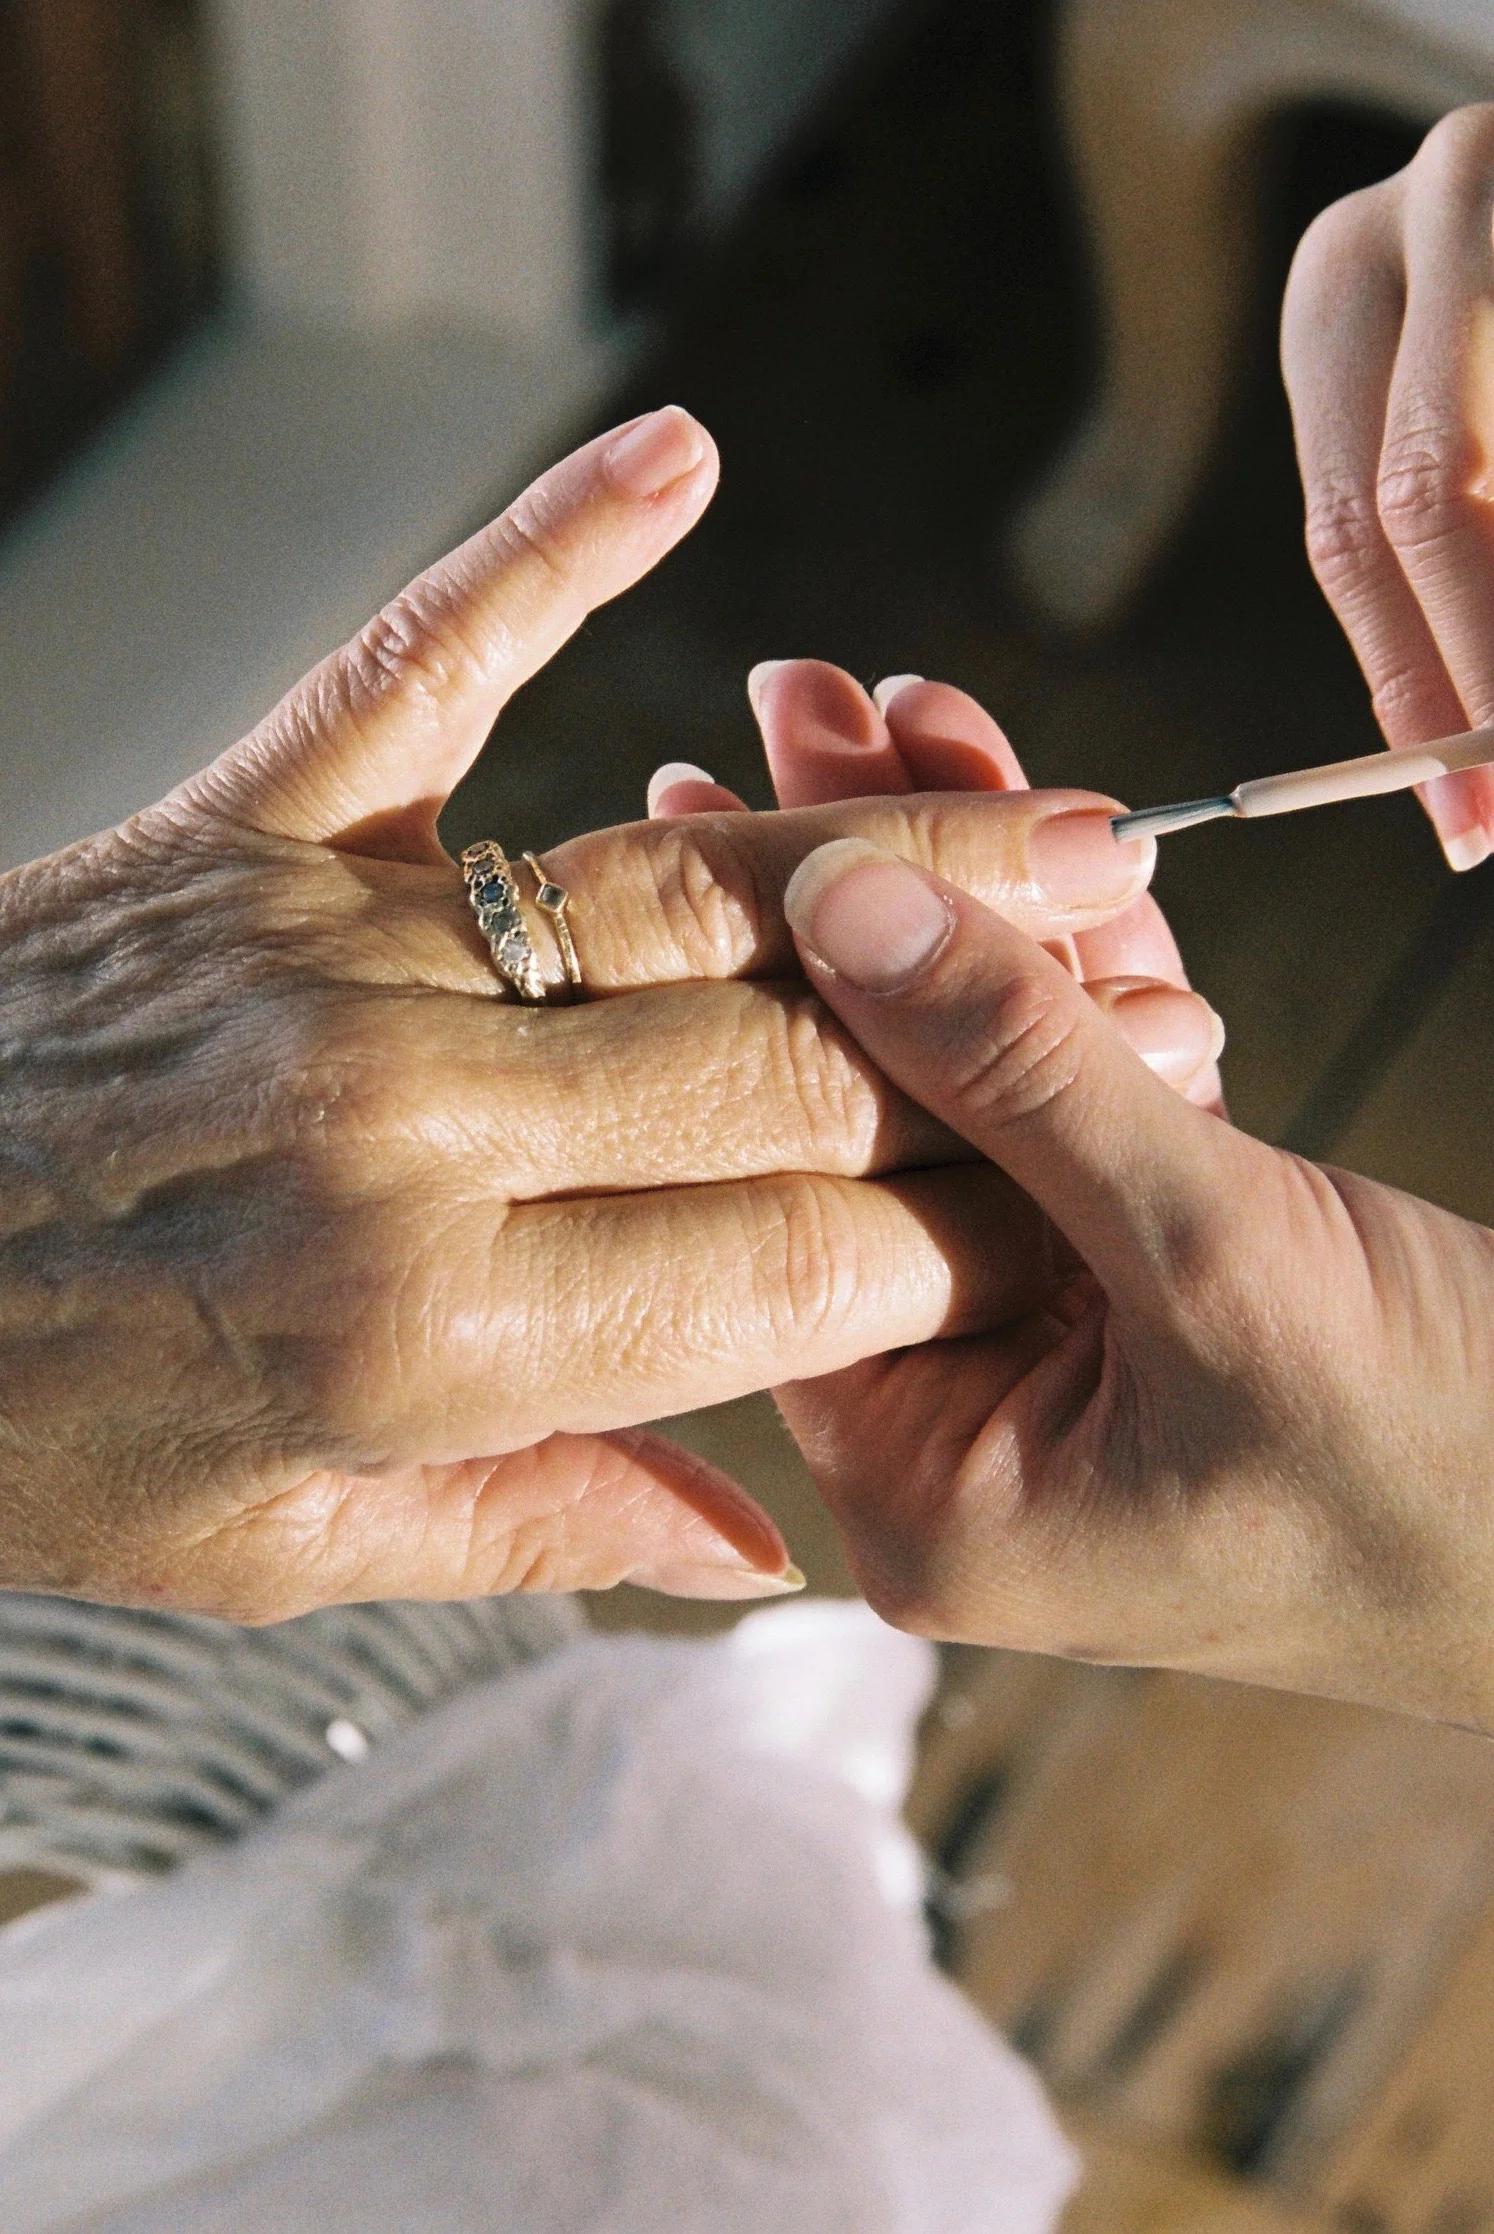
129, 1741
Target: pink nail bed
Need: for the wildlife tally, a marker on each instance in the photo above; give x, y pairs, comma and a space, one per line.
656, 453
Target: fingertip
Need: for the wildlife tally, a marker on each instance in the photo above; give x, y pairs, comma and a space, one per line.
674, 772
710, 1539
759, 681
1461, 809
892, 688
824, 738
876, 921
658, 453
680, 788
1469, 849
947, 740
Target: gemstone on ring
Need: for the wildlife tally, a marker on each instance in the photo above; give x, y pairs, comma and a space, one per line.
500, 918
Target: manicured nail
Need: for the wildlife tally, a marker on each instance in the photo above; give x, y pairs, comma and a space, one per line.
1075, 860
871, 918
1452, 804
673, 772
724, 1583
656, 453
886, 691
1468, 850
831, 710
758, 677
1176, 1034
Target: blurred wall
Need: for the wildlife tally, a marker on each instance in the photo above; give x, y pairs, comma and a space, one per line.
386, 160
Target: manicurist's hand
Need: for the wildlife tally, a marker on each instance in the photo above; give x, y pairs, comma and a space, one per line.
1388, 350
1246, 1428
327, 1272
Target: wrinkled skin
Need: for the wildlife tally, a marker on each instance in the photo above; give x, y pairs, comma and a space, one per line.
1245, 1428
1246, 1431
1388, 351
325, 1272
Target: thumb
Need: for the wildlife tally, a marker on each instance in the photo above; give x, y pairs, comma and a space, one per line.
975, 1021
366, 750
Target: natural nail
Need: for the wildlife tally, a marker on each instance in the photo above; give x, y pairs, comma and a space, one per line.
760, 675
871, 918
673, 772
723, 1583
892, 688
1468, 850
1457, 823
656, 453
1075, 860
1176, 1033
831, 710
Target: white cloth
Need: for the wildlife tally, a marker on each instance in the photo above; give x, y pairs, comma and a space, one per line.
625, 1941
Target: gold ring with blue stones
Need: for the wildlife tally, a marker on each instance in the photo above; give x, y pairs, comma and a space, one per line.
493, 891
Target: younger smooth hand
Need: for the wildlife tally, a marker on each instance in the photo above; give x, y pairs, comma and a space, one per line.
1246, 1428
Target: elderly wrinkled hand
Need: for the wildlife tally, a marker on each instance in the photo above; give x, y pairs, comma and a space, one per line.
326, 1272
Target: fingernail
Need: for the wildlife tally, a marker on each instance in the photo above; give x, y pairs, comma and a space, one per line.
1176, 1034
885, 692
1469, 850
831, 710
724, 1583
656, 453
760, 674
1075, 860
868, 916
673, 772
1454, 809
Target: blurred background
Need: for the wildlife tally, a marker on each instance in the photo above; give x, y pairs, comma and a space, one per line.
979, 298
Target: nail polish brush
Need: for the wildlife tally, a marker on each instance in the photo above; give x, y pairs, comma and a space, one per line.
1376, 773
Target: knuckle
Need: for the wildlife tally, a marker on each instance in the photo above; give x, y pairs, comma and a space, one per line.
1406, 701
413, 651
1459, 150
813, 1072
349, 1084
1333, 242
528, 532
1422, 495
399, 652
709, 897
374, 1322
1344, 535
806, 1269
1027, 1056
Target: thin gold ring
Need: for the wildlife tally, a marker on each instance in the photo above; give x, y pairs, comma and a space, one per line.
553, 900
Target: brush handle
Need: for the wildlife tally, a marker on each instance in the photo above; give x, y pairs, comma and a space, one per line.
1377, 772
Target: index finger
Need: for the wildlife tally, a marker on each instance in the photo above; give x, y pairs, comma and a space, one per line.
366, 749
